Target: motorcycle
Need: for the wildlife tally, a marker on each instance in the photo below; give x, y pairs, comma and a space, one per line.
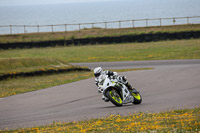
117, 92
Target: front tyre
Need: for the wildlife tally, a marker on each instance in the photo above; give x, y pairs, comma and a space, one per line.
114, 97
137, 98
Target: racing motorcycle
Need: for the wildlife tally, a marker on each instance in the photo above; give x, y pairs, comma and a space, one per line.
117, 92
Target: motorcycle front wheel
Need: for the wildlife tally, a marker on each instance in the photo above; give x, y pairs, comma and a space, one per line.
137, 98
114, 97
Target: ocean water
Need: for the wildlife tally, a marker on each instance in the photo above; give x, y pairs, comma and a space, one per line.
91, 12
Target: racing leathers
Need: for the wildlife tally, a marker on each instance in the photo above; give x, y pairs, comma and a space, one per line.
121, 79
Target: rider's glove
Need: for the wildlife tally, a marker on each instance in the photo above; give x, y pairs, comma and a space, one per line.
110, 73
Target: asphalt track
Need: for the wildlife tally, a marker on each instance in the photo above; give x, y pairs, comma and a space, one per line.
172, 84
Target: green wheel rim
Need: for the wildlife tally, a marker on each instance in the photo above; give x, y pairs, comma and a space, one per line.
136, 96
117, 99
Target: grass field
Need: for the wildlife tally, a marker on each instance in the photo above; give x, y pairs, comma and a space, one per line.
22, 60
176, 121
22, 85
96, 32
14, 65
164, 50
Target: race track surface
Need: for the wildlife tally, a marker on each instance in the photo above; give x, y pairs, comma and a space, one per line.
170, 85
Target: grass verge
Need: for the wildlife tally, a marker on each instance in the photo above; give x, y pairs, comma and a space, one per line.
164, 50
96, 32
28, 67
15, 60
182, 120
21, 85
16, 65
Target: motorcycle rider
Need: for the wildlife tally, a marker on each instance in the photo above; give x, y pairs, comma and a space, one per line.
99, 71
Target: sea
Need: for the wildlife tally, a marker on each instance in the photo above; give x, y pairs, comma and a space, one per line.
94, 12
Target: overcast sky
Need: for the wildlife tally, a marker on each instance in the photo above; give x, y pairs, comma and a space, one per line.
36, 2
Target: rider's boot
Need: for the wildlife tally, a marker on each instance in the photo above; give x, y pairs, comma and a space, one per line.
131, 89
129, 86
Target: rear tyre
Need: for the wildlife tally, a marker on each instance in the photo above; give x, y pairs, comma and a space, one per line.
114, 97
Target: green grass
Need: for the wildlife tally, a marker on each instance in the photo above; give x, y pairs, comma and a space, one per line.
22, 85
14, 65
39, 58
175, 121
164, 50
96, 32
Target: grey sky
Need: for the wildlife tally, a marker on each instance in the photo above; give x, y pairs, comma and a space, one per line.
36, 2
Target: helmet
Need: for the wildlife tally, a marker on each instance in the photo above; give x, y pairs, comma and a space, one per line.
97, 71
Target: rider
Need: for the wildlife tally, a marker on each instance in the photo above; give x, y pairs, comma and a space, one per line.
99, 71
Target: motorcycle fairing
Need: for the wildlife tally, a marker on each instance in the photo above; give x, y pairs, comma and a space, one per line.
113, 83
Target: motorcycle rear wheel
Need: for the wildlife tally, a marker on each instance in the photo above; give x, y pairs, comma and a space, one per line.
114, 97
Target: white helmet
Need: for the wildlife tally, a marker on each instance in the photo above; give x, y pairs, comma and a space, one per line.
98, 71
